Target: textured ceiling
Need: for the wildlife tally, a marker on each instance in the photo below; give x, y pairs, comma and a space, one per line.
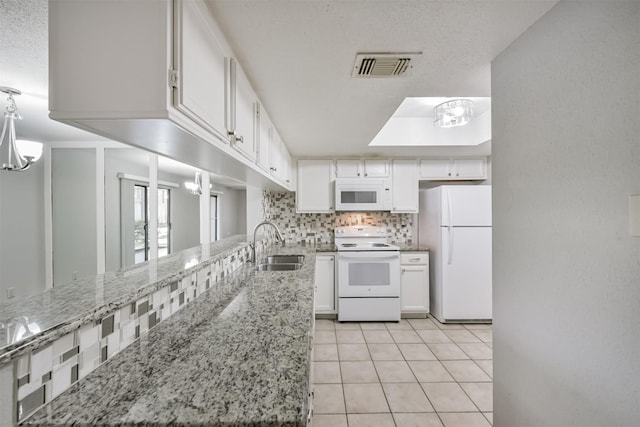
299, 56
24, 40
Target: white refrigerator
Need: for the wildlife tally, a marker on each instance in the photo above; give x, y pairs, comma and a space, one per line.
455, 224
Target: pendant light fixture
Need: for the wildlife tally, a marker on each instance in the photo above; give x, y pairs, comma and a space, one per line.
195, 186
15, 155
457, 112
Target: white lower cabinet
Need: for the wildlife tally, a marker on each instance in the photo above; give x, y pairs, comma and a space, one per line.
325, 284
414, 284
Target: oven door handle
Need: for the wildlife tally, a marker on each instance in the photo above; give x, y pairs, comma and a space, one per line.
369, 255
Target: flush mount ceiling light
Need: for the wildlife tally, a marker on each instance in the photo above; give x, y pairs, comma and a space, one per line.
195, 186
15, 155
457, 112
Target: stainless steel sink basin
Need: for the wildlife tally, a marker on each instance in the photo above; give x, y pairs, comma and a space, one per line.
285, 259
279, 267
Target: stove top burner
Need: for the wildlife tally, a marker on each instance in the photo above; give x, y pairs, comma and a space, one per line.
366, 246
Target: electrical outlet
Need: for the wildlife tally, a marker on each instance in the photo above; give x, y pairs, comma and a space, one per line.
11, 293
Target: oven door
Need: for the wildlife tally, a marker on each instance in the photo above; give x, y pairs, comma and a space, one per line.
368, 274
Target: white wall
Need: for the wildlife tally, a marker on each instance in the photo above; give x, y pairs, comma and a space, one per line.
232, 211
73, 180
566, 157
254, 209
22, 231
185, 214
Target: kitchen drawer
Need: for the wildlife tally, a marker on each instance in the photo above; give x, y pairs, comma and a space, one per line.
414, 258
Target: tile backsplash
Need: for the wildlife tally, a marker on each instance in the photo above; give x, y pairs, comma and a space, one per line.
44, 373
318, 227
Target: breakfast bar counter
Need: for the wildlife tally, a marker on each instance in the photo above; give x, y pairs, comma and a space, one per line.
238, 355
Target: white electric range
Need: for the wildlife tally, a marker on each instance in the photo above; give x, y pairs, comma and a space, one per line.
368, 272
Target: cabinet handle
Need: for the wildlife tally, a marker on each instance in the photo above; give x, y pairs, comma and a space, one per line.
366, 174
358, 173
240, 139
414, 259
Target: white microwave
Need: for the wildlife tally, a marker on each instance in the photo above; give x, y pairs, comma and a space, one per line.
363, 194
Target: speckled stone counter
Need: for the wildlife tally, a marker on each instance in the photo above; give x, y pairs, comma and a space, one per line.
63, 308
325, 247
238, 355
411, 247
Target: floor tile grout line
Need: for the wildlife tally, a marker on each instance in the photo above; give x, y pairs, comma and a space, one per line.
395, 343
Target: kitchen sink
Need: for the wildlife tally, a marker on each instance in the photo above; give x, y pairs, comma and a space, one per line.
285, 259
279, 267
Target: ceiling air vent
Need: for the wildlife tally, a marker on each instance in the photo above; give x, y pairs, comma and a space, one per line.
372, 65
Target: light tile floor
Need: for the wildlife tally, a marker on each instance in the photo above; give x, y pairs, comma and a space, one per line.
414, 373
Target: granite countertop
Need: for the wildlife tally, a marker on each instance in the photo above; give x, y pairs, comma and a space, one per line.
65, 307
238, 355
325, 247
411, 247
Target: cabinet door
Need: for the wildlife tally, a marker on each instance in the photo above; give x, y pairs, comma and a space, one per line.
474, 168
286, 165
200, 62
315, 186
414, 289
435, 169
276, 155
263, 136
376, 168
348, 168
244, 116
404, 186
325, 284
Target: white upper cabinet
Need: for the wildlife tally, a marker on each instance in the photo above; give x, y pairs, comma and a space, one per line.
315, 186
200, 71
272, 153
376, 168
241, 111
367, 168
277, 156
435, 169
263, 136
474, 168
159, 80
404, 186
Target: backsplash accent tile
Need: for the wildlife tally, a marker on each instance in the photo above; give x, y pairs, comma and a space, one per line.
318, 228
44, 373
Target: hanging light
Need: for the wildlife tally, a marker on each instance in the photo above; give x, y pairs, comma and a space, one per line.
195, 186
15, 155
457, 112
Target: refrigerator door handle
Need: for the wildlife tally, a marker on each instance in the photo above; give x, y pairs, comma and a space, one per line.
449, 226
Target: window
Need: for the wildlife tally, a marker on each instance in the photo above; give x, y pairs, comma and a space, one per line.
213, 216
142, 244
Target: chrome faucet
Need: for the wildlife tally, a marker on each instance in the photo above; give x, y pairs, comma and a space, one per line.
255, 230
